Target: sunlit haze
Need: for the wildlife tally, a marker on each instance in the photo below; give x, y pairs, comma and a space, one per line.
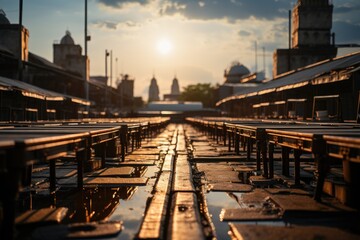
197, 40
164, 46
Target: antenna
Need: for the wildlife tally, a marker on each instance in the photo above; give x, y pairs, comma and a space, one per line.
256, 62
264, 63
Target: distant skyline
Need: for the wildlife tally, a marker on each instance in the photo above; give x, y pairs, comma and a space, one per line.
194, 40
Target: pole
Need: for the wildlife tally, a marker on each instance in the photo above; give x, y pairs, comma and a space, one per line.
264, 62
20, 66
106, 79
256, 62
111, 67
289, 52
86, 57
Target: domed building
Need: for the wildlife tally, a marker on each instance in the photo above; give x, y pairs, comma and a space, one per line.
67, 54
3, 18
235, 73
237, 78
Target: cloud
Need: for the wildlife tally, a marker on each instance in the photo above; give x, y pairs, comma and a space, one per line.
228, 9
244, 33
106, 24
122, 3
346, 32
210, 9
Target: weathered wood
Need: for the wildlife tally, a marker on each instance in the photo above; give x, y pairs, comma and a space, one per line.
112, 172
115, 182
302, 206
168, 164
248, 214
153, 224
145, 151
217, 177
60, 172
230, 187
261, 181
183, 175
138, 163
255, 232
42, 216
139, 157
185, 219
216, 157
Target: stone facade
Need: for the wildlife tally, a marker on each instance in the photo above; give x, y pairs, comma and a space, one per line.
311, 37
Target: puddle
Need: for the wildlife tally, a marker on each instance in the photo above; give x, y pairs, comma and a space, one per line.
126, 204
216, 201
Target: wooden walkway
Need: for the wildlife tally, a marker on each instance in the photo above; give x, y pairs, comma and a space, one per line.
197, 188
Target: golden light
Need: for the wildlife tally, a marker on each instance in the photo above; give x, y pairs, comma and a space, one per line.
164, 46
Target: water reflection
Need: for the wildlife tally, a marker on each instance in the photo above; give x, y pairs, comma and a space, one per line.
216, 201
126, 204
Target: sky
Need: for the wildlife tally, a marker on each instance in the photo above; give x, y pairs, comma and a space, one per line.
190, 39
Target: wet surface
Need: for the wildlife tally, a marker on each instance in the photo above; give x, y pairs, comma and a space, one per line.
159, 207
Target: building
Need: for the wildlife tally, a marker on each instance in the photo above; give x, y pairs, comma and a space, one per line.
327, 90
126, 91
10, 47
175, 91
154, 90
238, 77
311, 37
68, 55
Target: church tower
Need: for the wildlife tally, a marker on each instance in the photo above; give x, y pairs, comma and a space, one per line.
175, 89
311, 37
153, 90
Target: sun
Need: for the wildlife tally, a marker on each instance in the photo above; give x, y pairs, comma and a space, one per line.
164, 46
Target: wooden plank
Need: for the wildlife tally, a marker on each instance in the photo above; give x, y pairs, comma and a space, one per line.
185, 221
138, 163
302, 206
42, 216
214, 167
255, 232
217, 177
217, 158
153, 224
115, 182
248, 214
140, 157
183, 175
112, 172
260, 181
230, 187
60, 173
168, 164
145, 151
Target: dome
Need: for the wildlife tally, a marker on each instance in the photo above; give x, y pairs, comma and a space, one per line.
236, 72
67, 39
3, 18
238, 69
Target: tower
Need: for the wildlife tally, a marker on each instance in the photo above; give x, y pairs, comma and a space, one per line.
175, 89
312, 22
67, 54
153, 90
311, 37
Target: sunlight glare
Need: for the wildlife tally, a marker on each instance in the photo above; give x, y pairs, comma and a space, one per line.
164, 46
